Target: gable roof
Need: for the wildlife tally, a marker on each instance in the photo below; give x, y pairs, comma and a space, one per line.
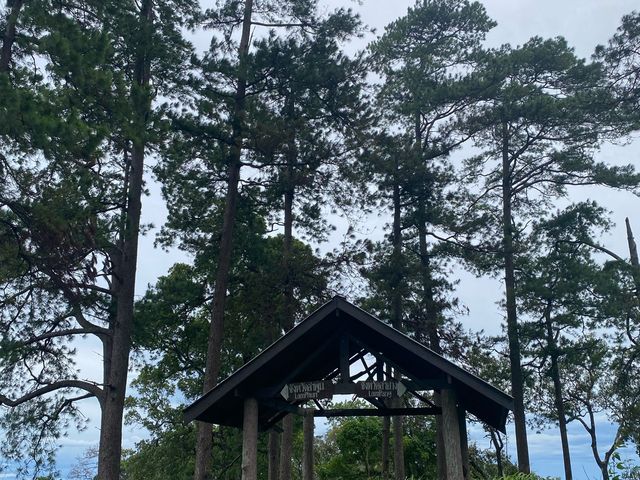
310, 351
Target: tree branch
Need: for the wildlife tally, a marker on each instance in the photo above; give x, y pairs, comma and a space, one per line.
64, 333
91, 388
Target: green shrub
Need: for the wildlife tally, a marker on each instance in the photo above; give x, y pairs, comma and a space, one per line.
525, 476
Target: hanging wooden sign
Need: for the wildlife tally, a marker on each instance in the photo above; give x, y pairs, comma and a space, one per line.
307, 390
378, 389
326, 389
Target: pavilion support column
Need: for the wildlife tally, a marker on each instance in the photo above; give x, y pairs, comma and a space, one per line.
286, 451
440, 452
451, 434
307, 447
464, 441
250, 440
274, 457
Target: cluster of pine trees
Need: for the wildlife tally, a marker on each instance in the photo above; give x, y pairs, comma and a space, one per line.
467, 153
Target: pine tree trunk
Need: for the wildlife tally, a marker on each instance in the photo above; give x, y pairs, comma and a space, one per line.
125, 264
386, 434
287, 252
428, 299
396, 320
204, 440
307, 450
498, 445
398, 446
517, 378
558, 395
9, 35
431, 328
633, 255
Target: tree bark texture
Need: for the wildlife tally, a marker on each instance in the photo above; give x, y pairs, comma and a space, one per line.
498, 445
250, 440
464, 442
125, 264
9, 35
307, 448
633, 254
451, 435
517, 378
398, 450
204, 441
386, 434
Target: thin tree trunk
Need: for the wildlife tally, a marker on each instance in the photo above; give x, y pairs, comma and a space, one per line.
517, 378
498, 445
633, 254
386, 434
558, 395
9, 35
398, 444
428, 298
119, 343
396, 320
307, 453
287, 252
431, 328
204, 440
464, 442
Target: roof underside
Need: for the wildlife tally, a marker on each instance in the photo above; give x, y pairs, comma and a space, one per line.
311, 351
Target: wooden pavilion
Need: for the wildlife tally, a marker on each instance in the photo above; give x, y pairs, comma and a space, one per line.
312, 361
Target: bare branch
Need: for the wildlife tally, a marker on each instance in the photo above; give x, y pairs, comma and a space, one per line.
91, 388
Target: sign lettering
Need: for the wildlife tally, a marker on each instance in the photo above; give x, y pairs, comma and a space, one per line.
307, 390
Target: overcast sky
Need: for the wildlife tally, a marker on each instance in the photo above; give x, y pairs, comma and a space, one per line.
585, 24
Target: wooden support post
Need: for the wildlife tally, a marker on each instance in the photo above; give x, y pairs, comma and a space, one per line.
451, 434
344, 359
307, 447
286, 451
441, 455
464, 441
273, 447
250, 440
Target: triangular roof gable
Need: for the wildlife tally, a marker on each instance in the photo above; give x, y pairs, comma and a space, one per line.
309, 351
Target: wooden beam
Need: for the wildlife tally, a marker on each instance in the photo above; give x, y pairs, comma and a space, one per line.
291, 374
344, 359
307, 446
354, 358
427, 384
281, 405
250, 440
376, 412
